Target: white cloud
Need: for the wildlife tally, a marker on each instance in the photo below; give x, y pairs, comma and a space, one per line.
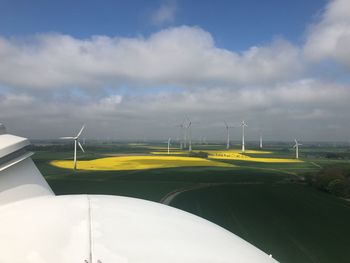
165, 13
183, 56
277, 110
330, 37
58, 81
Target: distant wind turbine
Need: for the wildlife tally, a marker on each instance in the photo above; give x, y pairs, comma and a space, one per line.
183, 133
243, 124
296, 146
169, 145
261, 142
189, 129
76, 141
227, 135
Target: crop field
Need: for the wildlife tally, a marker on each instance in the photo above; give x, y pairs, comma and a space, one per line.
259, 195
122, 163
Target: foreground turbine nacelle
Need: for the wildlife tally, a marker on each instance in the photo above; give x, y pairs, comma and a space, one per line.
37, 226
19, 177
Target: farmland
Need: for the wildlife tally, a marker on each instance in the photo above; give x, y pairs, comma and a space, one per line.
260, 196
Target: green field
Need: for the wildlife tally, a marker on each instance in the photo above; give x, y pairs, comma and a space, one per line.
267, 204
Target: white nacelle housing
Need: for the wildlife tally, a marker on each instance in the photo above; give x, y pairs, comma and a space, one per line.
38, 227
19, 177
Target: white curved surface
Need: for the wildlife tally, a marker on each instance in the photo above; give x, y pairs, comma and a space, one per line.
21, 181
44, 230
11, 143
115, 229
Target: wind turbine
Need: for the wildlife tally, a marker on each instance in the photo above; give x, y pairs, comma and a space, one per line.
243, 124
296, 146
169, 145
227, 135
189, 135
183, 131
261, 142
76, 141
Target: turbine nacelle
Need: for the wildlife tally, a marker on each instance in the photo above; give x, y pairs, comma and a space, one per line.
296, 143
227, 126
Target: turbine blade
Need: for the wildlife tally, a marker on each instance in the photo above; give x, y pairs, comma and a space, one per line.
81, 147
81, 130
66, 138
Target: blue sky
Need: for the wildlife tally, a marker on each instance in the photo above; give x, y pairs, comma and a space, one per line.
228, 21
134, 69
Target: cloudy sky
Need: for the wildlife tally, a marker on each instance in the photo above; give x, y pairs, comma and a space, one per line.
135, 69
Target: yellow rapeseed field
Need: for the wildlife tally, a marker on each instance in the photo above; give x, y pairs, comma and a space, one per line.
237, 151
138, 163
161, 148
171, 152
235, 155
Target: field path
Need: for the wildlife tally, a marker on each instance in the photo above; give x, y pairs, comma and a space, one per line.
315, 164
169, 197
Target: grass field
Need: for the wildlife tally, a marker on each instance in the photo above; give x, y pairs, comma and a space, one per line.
266, 203
292, 222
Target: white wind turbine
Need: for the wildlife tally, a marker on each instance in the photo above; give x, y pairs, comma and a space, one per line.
169, 145
75, 145
183, 133
243, 124
227, 135
189, 135
296, 146
261, 141
189, 131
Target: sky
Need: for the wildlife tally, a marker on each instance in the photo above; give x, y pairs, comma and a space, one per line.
134, 70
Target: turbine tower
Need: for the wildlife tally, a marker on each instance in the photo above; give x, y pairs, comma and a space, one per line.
183, 133
296, 146
227, 135
169, 145
243, 124
76, 142
261, 142
189, 135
